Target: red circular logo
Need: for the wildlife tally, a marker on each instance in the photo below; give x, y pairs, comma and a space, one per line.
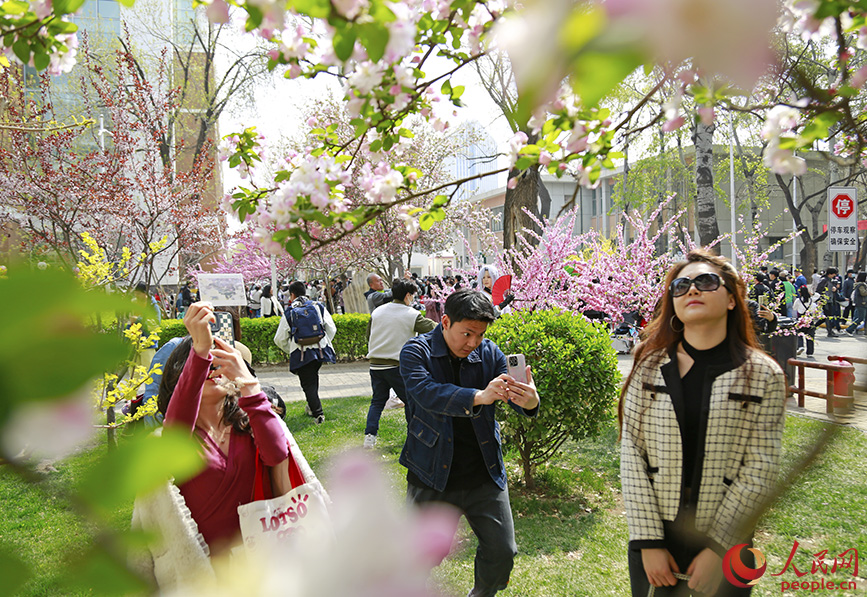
842, 206
738, 573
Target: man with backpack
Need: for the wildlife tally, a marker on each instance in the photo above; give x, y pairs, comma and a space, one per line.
305, 332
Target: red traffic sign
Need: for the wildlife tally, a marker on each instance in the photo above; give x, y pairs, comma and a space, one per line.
842, 206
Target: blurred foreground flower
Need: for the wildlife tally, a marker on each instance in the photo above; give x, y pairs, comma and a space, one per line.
382, 549
49, 430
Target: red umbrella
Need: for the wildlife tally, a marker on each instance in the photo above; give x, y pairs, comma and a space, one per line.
501, 288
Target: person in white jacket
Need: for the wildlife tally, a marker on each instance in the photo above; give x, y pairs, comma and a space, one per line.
391, 325
269, 305
305, 361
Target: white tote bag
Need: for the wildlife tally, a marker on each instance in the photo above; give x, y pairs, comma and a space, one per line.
298, 518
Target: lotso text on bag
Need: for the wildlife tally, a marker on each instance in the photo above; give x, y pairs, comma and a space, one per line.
299, 518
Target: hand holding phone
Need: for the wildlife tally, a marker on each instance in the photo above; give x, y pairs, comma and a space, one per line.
223, 327
517, 367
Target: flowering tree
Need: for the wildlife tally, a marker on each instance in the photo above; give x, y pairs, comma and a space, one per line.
382, 52
57, 184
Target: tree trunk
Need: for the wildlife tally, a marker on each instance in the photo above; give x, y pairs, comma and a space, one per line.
705, 207
524, 195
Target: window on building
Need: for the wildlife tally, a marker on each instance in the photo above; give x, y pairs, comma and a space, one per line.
109, 9
497, 219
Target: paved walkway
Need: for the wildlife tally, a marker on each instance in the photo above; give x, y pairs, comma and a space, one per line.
344, 380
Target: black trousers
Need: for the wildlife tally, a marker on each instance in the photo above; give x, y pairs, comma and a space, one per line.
308, 375
489, 513
684, 542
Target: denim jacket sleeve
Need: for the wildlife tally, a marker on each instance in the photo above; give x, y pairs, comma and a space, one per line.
436, 397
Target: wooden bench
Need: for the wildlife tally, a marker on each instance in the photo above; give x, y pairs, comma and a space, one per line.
840, 403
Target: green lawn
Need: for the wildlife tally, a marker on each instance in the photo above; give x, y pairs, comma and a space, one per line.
571, 534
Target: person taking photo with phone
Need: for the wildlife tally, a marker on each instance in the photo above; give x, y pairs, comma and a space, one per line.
454, 377
208, 390
701, 420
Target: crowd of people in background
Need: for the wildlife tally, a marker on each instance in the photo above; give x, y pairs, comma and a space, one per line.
421, 333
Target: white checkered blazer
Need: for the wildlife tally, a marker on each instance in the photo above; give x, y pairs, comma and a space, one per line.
741, 449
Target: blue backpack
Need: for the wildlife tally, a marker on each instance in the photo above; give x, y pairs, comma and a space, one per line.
307, 329
306, 324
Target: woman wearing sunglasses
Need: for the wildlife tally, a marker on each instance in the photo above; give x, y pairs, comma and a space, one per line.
701, 417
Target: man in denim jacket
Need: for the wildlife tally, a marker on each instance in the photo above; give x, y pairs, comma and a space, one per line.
453, 379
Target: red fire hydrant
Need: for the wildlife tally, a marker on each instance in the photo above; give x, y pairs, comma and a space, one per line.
843, 380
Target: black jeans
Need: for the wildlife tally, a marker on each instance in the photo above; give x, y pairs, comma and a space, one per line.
381, 381
809, 336
489, 513
308, 375
684, 542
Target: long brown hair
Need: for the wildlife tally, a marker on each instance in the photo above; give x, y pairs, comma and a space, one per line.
661, 333
233, 414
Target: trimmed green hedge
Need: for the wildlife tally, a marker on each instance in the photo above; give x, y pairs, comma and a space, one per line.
257, 334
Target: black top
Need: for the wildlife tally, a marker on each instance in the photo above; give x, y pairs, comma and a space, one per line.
692, 385
468, 465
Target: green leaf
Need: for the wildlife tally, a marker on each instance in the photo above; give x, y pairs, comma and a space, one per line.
374, 38
57, 27
14, 7
13, 570
139, 465
41, 60
789, 143
63, 7
100, 572
344, 43
51, 335
22, 50
295, 249
406, 133
446, 88
596, 74
426, 221
318, 9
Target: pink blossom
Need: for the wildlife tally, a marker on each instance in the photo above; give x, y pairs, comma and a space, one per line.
350, 8
578, 139
401, 37
707, 115
513, 183
41, 8
730, 38
784, 161
858, 78
516, 143
365, 77
218, 11
673, 124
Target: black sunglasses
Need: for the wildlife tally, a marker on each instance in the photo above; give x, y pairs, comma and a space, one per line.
703, 282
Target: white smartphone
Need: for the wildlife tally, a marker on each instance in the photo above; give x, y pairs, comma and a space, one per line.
517, 367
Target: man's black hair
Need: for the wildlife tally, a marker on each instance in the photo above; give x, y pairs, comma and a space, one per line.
298, 289
142, 287
469, 304
775, 272
401, 288
830, 271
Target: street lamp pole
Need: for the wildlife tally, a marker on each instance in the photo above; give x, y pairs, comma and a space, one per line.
732, 188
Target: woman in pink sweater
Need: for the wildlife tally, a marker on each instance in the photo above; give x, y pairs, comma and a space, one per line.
210, 392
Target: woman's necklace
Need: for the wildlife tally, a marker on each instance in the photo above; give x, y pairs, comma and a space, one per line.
221, 436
